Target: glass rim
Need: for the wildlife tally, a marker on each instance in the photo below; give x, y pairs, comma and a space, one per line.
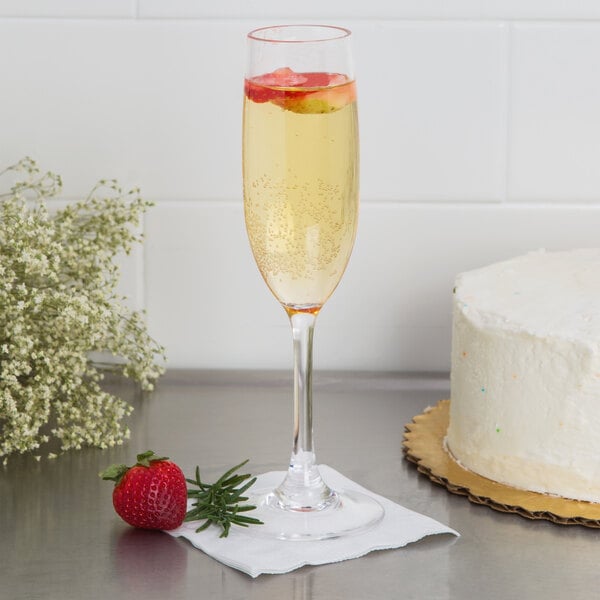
342, 32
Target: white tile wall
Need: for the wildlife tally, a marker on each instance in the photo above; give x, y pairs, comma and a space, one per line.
424, 88
374, 9
555, 134
479, 141
68, 8
137, 100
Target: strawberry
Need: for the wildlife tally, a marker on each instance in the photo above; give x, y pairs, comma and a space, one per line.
283, 77
152, 494
306, 93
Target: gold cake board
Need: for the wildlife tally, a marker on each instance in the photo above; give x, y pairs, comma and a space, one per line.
424, 445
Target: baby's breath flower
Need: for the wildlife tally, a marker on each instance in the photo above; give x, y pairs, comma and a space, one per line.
59, 308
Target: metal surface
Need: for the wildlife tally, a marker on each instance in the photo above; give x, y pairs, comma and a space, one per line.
60, 539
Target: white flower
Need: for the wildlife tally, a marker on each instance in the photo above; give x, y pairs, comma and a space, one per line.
57, 306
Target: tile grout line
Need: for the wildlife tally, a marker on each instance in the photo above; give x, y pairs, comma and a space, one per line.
142, 268
414, 19
372, 202
509, 79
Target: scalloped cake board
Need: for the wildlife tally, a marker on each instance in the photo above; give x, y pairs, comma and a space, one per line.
424, 445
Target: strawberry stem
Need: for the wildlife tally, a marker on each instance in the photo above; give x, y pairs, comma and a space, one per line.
116, 472
145, 458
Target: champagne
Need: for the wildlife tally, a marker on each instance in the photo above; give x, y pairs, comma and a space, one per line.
300, 162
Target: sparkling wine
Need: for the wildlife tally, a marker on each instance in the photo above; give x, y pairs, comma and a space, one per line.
300, 161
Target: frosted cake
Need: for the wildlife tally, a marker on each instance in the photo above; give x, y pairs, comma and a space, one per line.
525, 382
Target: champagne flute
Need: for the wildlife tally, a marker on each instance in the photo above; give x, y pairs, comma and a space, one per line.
300, 172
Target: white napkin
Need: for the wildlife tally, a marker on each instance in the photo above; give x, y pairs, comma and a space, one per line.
255, 555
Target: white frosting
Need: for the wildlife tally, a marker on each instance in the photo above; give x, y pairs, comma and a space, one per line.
525, 400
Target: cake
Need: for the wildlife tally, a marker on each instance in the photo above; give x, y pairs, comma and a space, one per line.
525, 379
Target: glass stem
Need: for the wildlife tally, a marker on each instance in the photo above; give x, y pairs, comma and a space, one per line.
303, 328
303, 489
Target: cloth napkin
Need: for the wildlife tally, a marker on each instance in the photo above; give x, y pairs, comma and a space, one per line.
255, 555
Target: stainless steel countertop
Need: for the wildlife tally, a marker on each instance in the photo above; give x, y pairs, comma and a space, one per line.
60, 538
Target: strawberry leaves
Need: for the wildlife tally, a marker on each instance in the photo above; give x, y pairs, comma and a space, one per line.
115, 472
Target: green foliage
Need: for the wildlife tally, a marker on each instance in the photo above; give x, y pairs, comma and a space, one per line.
59, 307
221, 502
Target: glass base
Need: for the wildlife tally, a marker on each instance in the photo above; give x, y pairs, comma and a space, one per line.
345, 513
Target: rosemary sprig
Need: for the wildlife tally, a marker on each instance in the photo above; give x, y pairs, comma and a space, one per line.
220, 502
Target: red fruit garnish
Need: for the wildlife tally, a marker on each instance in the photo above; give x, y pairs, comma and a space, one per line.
301, 92
152, 494
284, 77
